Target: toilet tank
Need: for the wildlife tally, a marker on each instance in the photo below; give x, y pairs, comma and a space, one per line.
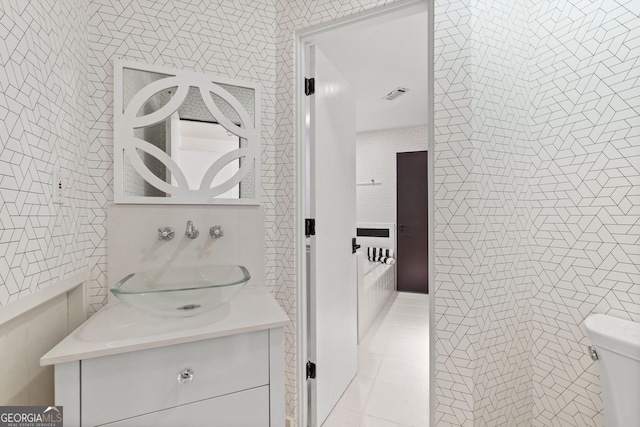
617, 343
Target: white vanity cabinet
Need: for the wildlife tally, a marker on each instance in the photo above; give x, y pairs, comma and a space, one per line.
246, 409
229, 373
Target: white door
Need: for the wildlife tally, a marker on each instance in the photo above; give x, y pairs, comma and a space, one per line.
333, 292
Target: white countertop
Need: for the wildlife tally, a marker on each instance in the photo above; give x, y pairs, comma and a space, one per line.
119, 328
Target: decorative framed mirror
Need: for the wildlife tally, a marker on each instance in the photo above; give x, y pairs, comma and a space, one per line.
184, 138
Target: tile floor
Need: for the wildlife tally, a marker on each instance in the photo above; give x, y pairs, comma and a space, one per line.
391, 387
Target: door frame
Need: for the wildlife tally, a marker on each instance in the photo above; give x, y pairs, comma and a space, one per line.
302, 39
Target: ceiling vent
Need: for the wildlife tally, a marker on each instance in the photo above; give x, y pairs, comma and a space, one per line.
396, 93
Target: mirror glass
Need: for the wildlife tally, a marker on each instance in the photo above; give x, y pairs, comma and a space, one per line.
184, 138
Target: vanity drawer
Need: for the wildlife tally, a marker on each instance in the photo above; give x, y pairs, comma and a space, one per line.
140, 382
249, 408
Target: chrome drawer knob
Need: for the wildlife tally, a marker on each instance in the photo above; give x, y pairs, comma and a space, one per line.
185, 376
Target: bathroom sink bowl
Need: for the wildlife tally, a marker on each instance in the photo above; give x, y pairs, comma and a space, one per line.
182, 292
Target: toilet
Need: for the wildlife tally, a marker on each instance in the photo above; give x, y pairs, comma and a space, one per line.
617, 344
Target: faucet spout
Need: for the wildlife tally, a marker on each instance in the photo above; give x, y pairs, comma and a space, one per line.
192, 232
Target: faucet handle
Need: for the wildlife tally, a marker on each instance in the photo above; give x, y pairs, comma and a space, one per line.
165, 233
192, 232
216, 231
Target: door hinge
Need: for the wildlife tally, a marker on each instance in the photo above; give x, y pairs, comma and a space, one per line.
309, 227
309, 86
311, 370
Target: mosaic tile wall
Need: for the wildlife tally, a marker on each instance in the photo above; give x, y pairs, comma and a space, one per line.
501, 257
456, 195
585, 131
537, 185
44, 100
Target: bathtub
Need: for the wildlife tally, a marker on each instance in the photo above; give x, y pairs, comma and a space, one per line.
376, 281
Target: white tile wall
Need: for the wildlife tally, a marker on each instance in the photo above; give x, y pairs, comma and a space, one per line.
502, 264
456, 194
44, 97
585, 130
376, 159
536, 204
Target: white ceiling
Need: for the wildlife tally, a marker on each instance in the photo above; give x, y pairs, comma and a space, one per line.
378, 59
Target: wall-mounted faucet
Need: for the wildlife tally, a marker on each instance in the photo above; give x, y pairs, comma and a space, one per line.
216, 231
165, 233
192, 232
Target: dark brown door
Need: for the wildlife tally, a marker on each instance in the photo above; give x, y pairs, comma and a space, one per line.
412, 266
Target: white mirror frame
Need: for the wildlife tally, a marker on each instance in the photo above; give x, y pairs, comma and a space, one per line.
125, 144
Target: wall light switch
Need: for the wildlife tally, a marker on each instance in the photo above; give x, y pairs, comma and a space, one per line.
58, 186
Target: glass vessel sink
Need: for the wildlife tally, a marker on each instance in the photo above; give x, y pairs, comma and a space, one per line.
182, 292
